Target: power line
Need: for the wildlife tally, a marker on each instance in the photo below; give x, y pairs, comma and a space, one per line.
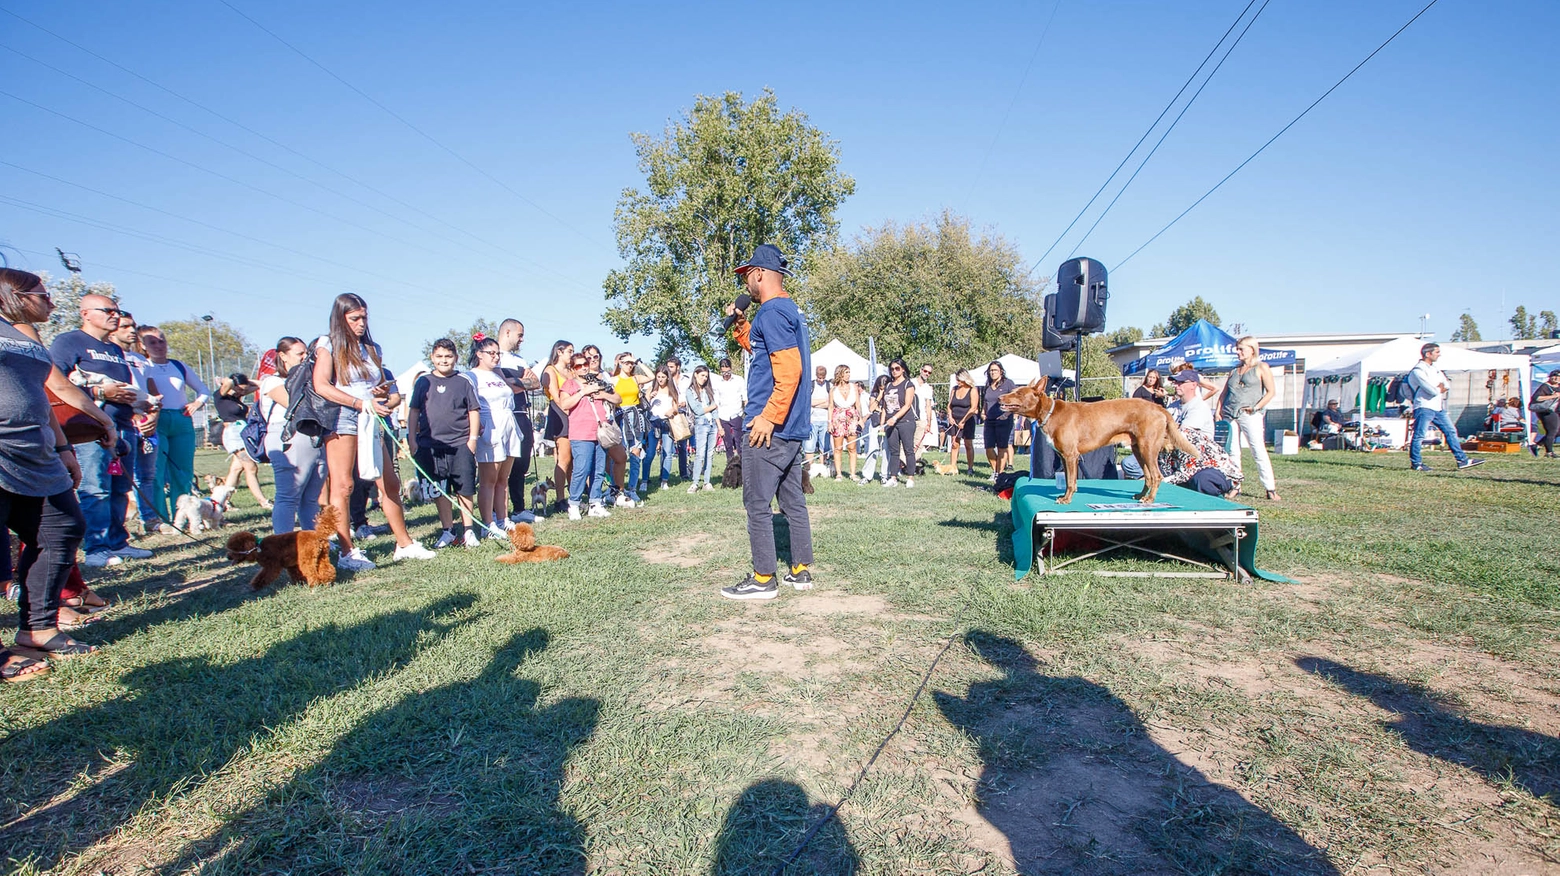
1275, 136
1016, 92
403, 120
278, 144
1212, 73
1125, 158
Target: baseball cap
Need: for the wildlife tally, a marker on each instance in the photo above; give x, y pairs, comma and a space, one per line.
768, 257
1187, 376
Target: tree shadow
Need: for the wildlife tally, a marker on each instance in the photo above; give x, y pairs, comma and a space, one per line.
1525, 758
1074, 782
766, 824
463, 777
1001, 525
782, 527
178, 721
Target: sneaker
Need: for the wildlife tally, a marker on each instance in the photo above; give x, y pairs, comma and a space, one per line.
497, 534
446, 539
355, 562
538, 514
100, 559
522, 517
574, 512
909, 482
129, 552
751, 589
666, 485
801, 580
1533, 447
13, 592
891, 482
708, 487
693, 488
363, 533
1469, 463
413, 551
598, 510
624, 501
470, 539
1421, 467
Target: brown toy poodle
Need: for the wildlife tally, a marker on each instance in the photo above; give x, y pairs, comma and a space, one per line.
305, 556
523, 539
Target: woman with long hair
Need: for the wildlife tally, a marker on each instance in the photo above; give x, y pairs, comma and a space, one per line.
963, 411
233, 411
998, 432
297, 465
617, 454
583, 398
177, 383
1247, 392
349, 371
844, 421
500, 442
1153, 388
628, 382
701, 405
554, 374
899, 425
664, 404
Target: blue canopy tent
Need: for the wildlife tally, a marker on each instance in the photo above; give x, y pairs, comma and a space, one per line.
1207, 347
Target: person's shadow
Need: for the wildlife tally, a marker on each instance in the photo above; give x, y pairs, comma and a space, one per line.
765, 826
181, 720
1074, 782
464, 777
1528, 759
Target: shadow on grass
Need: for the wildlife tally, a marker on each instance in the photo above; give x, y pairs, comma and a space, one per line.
177, 722
463, 777
767, 823
1073, 781
1001, 525
1527, 759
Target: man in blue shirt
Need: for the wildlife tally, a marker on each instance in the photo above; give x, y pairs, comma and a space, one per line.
105, 472
776, 421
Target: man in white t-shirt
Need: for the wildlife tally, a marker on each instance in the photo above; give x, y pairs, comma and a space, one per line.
1429, 385
511, 333
1190, 408
730, 400
816, 445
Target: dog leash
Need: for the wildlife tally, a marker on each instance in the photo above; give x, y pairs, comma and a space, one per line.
437, 487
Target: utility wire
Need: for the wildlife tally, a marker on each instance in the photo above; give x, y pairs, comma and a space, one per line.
268, 163
1214, 72
1275, 136
1016, 92
278, 144
1125, 158
403, 120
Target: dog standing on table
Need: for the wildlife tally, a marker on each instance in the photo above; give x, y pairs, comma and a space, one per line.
1075, 428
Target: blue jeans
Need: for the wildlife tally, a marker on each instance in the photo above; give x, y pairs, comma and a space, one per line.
704, 431
638, 472
1423, 420
300, 475
104, 497
590, 464
148, 491
659, 447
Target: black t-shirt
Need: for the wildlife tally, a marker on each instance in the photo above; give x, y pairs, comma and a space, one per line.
78, 349
444, 405
231, 410
991, 401
899, 395
1144, 392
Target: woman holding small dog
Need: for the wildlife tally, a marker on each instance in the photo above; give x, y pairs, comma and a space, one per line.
298, 467
501, 441
584, 398
348, 371
175, 423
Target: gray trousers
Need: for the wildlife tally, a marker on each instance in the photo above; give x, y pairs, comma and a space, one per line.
775, 473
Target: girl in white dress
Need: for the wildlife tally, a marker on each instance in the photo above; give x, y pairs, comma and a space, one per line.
501, 441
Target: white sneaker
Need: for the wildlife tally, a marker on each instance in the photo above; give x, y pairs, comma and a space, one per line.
708, 487
470, 539
909, 482
363, 533
355, 562
537, 515
891, 482
623, 501
129, 552
693, 488
446, 539
498, 533
574, 511
413, 551
598, 510
522, 517
100, 559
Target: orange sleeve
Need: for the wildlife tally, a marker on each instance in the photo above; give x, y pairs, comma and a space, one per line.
741, 331
787, 367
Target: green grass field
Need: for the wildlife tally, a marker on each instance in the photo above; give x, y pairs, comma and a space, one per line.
1397, 710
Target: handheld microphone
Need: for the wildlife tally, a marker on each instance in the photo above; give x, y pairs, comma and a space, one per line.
741, 304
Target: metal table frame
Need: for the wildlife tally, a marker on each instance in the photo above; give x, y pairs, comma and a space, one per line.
1128, 530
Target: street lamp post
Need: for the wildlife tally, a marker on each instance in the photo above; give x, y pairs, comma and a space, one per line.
211, 354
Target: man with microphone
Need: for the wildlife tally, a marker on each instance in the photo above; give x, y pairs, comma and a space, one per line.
776, 422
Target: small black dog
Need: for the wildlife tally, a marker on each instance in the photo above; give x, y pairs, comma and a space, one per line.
732, 478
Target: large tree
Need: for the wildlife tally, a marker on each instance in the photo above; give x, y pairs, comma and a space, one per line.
934, 292
1526, 326
66, 293
729, 175
1183, 317
1127, 334
1467, 329
188, 342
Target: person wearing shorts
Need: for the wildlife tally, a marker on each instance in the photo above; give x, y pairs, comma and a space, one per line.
445, 420
998, 431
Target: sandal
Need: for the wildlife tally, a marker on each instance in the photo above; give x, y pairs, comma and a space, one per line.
19, 668
1273, 496
71, 648
76, 619
80, 603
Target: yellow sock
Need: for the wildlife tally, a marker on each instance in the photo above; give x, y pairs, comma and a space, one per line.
763, 579
797, 570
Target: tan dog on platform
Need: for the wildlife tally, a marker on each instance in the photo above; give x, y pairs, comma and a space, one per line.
523, 539
1075, 428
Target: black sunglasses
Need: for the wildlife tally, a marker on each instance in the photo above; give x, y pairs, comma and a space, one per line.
111, 311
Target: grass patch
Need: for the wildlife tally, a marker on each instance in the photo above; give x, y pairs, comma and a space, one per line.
1395, 710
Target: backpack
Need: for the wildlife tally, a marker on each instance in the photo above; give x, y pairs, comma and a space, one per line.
308, 413
1400, 391
253, 436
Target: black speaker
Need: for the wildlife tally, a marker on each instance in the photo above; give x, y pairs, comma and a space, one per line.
1050, 339
1080, 296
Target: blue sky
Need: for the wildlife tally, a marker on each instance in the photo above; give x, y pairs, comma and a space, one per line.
1426, 184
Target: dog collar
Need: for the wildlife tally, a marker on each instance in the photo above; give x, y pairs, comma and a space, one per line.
1046, 417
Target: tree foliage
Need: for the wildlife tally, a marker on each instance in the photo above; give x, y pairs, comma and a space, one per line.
1128, 334
1183, 317
187, 342
67, 292
1527, 326
1101, 376
1467, 329
462, 339
931, 292
729, 175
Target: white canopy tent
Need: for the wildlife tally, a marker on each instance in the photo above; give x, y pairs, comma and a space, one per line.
1397, 357
1547, 356
834, 354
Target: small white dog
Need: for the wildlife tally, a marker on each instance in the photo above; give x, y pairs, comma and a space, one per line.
196, 513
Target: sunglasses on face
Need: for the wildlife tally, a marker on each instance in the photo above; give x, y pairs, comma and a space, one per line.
111, 311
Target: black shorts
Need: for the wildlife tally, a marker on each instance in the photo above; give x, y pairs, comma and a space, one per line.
453, 468
967, 431
998, 434
557, 423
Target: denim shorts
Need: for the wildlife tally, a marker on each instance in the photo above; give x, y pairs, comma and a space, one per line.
346, 421
816, 436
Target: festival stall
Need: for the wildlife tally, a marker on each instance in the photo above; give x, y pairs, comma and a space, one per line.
1207, 347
